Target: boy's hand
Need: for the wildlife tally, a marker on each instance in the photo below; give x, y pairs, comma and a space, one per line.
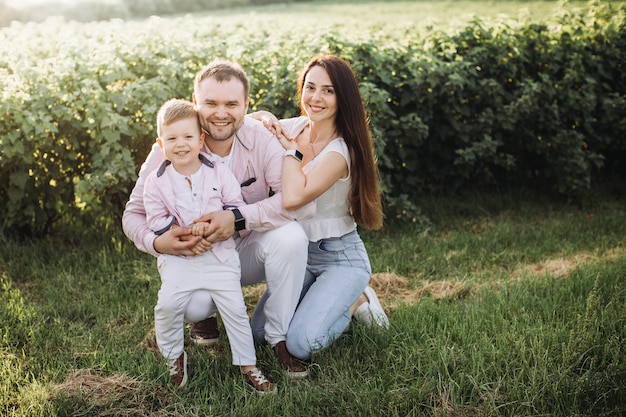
221, 225
200, 228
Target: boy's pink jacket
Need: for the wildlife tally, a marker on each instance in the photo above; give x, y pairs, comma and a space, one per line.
220, 188
257, 166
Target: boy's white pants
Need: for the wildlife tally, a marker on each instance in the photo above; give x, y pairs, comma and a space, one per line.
180, 278
278, 257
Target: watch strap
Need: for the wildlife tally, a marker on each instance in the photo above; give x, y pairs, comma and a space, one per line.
240, 222
295, 153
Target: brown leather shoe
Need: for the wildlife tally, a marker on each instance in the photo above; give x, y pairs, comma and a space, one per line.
205, 332
257, 381
294, 367
178, 370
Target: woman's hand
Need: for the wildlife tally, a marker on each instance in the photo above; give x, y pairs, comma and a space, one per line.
287, 143
272, 124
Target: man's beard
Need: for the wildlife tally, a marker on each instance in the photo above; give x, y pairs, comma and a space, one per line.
220, 134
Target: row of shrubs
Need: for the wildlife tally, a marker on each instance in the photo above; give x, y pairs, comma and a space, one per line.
497, 104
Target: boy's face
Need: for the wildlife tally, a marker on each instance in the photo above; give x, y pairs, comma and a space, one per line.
181, 142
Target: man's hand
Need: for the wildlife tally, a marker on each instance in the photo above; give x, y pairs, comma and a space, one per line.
221, 227
178, 241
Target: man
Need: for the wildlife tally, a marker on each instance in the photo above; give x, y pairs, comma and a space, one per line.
271, 244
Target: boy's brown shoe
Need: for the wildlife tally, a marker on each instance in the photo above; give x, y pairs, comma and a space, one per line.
257, 381
178, 370
205, 332
294, 367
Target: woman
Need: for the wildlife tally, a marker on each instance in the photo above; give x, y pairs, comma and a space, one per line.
329, 158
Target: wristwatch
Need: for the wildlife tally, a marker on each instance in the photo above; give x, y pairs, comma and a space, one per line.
240, 222
295, 153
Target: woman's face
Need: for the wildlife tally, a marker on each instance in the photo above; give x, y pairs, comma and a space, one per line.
318, 95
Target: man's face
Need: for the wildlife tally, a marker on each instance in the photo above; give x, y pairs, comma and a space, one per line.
221, 107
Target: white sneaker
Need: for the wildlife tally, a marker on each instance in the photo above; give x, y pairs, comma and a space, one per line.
371, 313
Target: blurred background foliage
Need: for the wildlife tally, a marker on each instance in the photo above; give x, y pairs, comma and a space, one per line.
95, 10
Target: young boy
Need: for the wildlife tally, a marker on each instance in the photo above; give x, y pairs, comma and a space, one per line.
186, 186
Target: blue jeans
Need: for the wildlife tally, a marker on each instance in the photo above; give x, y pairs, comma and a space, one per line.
338, 270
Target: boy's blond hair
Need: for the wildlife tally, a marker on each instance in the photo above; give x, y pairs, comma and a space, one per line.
174, 110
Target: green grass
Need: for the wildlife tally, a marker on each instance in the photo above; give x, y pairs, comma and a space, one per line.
513, 341
528, 318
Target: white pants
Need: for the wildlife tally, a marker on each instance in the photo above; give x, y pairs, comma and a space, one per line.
181, 277
278, 257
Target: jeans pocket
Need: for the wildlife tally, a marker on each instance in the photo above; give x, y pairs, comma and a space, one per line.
331, 246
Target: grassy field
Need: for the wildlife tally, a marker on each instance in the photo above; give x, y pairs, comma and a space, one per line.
349, 15
389, 17
500, 307
392, 13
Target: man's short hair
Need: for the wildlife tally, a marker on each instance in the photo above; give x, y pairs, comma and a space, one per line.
223, 70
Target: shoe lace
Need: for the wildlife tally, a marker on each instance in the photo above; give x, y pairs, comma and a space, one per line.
177, 366
258, 376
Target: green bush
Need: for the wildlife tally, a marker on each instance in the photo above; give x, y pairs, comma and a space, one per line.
504, 104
